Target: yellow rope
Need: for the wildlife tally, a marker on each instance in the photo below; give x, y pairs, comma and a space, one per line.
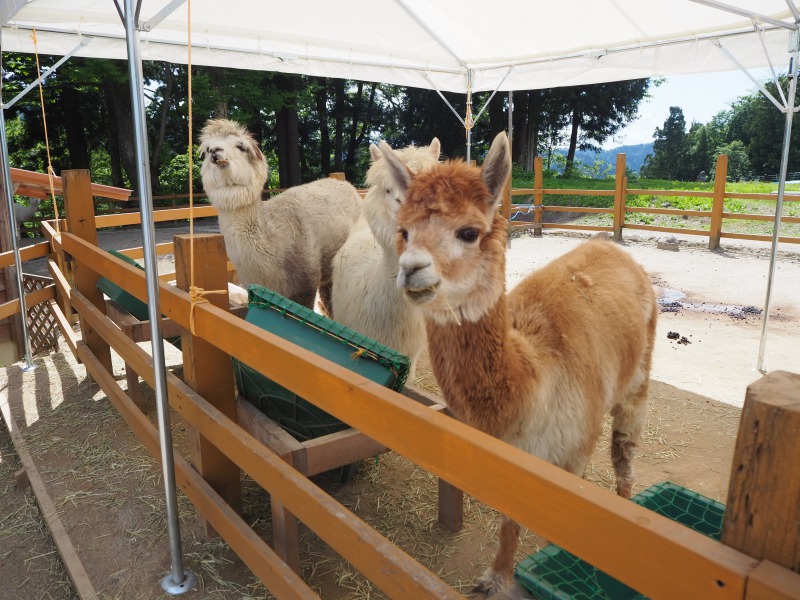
50, 172
196, 294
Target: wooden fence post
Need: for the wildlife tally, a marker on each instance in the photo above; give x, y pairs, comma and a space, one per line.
718, 206
538, 196
762, 516
79, 209
506, 205
339, 176
620, 197
205, 367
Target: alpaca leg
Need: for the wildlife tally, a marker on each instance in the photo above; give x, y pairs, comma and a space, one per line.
629, 419
325, 295
499, 575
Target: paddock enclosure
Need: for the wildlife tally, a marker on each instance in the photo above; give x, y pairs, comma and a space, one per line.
648, 550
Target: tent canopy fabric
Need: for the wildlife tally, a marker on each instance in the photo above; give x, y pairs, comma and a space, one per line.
502, 44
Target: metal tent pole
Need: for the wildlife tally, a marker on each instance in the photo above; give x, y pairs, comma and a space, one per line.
180, 580
787, 136
29, 366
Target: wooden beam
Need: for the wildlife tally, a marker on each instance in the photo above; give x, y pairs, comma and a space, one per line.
41, 181
41, 295
206, 368
25, 254
762, 516
79, 209
620, 197
169, 214
538, 195
718, 204
72, 563
772, 582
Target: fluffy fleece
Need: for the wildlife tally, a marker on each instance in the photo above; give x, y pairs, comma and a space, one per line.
365, 297
287, 243
538, 367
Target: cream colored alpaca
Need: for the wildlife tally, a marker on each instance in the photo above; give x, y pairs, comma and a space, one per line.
286, 244
365, 296
540, 366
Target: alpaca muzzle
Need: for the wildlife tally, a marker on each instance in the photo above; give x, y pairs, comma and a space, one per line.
219, 160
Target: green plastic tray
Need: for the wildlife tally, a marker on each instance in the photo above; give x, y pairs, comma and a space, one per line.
324, 337
127, 300
553, 573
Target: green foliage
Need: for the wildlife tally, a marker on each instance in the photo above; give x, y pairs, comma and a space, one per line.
738, 160
174, 176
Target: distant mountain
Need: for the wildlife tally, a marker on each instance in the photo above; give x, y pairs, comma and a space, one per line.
634, 156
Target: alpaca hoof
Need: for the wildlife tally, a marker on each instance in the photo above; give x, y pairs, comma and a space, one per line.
490, 583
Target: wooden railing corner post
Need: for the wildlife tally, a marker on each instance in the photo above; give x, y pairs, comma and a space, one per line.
206, 368
762, 515
620, 197
79, 211
718, 205
538, 195
339, 176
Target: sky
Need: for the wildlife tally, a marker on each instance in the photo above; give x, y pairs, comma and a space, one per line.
700, 96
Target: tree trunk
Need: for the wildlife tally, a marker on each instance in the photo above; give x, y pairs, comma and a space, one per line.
221, 91
324, 133
288, 133
338, 113
118, 101
522, 101
169, 86
573, 142
75, 130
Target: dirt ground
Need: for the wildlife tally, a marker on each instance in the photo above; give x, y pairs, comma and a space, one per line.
109, 493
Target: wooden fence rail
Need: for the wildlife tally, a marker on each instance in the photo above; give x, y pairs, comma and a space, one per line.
621, 191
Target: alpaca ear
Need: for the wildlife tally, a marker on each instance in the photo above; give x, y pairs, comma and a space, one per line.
436, 148
496, 168
374, 153
398, 171
256, 150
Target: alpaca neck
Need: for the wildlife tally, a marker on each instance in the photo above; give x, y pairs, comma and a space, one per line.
482, 368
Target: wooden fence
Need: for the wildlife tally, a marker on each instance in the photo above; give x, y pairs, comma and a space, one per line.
654, 555
620, 209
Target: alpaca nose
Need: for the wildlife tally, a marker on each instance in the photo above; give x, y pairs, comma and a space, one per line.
411, 264
216, 154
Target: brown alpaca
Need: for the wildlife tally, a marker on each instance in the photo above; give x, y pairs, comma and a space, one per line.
538, 367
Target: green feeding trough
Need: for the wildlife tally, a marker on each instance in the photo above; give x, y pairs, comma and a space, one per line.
555, 574
125, 299
324, 337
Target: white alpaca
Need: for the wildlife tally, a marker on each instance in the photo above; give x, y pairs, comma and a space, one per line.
25, 213
540, 366
365, 296
286, 244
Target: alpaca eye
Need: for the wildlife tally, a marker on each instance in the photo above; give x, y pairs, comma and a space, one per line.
242, 147
468, 234
202, 156
404, 233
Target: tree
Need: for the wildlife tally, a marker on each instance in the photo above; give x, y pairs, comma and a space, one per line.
670, 150
738, 161
599, 111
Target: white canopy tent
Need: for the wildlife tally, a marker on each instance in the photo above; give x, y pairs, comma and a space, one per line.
447, 45
422, 43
